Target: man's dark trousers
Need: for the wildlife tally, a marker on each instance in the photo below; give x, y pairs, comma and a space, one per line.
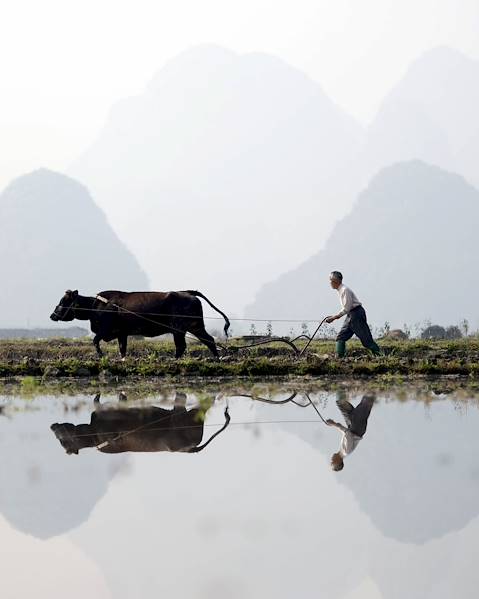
356, 418
356, 324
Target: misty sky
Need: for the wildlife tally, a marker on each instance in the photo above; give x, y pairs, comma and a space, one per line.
64, 63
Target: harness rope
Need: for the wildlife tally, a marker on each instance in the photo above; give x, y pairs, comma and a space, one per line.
187, 335
206, 341
301, 320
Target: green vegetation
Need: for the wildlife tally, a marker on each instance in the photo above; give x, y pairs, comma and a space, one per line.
49, 359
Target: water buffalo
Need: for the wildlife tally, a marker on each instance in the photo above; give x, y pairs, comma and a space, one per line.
116, 430
117, 314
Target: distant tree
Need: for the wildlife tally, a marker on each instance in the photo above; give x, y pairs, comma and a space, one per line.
327, 332
407, 330
304, 329
453, 332
434, 331
418, 329
269, 329
252, 329
384, 330
464, 326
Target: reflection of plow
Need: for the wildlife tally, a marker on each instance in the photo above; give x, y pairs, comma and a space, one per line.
233, 349
273, 401
291, 399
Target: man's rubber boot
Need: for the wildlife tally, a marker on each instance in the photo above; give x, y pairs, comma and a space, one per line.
341, 349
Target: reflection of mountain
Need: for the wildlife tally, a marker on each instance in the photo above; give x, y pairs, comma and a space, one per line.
43, 491
56, 238
261, 515
249, 517
415, 475
406, 239
206, 165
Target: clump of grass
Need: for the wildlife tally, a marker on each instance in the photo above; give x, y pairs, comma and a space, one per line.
29, 385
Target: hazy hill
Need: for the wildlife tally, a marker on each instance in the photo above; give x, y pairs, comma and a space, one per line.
226, 170
55, 237
431, 115
43, 491
408, 248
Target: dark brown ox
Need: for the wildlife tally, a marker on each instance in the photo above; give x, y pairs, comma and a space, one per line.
117, 314
145, 429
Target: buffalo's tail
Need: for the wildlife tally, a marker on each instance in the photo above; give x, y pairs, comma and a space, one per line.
201, 447
199, 294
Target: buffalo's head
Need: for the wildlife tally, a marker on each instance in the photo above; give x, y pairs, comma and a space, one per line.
64, 310
65, 433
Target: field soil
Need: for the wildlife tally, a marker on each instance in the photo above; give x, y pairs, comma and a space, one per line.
77, 358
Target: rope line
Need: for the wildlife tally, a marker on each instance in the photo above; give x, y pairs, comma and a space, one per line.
139, 315
305, 320
174, 428
121, 435
188, 335
147, 427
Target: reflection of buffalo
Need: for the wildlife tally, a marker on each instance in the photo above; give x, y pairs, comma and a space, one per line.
115, 430
117, 314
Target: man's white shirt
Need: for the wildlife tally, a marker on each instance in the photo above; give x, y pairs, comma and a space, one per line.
348, 442
347, 299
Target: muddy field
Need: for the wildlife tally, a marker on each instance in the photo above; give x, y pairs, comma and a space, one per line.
77, 358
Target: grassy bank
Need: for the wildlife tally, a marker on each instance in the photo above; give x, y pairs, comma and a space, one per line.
76, 358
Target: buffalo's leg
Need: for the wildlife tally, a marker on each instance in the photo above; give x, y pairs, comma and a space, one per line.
122, 343
199, 331
180, 401
96, 343
180, 344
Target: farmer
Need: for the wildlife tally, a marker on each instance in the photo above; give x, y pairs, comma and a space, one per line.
355, 322
356, 419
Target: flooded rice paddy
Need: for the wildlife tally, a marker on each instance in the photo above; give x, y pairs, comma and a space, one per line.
120, 495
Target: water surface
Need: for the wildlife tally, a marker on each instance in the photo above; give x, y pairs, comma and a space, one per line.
258, 513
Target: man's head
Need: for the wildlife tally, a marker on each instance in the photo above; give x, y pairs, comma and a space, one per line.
337, 462
335, 279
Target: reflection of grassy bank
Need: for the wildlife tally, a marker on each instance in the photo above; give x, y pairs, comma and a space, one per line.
462, 390
68, 358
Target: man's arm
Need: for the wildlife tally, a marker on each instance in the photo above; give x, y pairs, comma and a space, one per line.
330, 422
331, 319
347, 301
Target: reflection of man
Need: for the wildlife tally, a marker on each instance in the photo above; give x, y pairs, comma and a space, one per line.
355, 323
357, 420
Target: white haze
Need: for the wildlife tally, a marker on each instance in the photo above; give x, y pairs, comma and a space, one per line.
223, 140
63, 64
